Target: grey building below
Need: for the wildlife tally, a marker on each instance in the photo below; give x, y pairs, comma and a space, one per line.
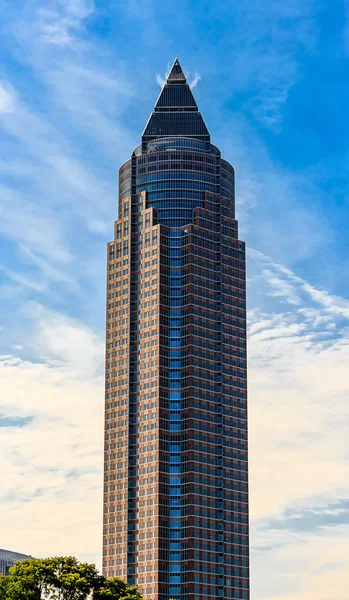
8, 559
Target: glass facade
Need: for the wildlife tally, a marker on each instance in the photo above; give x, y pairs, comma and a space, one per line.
176, 467
8, 559
176, 172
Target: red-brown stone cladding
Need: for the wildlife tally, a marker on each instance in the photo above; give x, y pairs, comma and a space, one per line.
146, 523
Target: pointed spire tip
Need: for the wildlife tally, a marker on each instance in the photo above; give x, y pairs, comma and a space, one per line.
176, 74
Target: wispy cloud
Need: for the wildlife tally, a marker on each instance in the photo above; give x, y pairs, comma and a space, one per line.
52, 465
195, 81
77, 347
298, 433
7, 98
290, 282
317, 564
62, 137
58, 22
160, 80
266, 64
33, 226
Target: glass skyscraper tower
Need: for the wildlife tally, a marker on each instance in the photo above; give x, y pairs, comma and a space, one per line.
176, 467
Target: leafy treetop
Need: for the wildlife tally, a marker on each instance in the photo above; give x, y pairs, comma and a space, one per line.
62, 578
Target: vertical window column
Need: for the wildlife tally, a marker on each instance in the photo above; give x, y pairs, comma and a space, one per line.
175, 417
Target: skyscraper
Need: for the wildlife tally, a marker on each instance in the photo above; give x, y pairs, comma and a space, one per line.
176, 482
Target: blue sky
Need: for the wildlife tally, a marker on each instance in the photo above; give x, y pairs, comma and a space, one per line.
78, 82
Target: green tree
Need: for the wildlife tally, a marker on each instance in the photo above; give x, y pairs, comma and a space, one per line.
69, 579
3, 586
115, 588
62, 578
27, 580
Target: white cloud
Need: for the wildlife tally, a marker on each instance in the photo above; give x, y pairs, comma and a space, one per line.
311, 565
52, 467
281, 288
56, 190
290, 284
31, 225
195, 81
58, 22
160, 80
298, 424
265, 64
65, 340
7, 98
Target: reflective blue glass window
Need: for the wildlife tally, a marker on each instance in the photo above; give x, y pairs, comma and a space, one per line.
175, 524
175, 322
175, 556
176, 534
175, 546
175, 568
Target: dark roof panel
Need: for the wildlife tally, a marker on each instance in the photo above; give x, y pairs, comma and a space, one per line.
176, 96
189, 124
176, 112
176, 74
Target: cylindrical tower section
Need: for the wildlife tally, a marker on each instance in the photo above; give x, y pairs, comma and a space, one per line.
176, 172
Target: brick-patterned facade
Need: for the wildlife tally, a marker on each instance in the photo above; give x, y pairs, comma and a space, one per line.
176, 479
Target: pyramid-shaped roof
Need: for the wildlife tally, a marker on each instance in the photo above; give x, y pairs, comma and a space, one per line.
176, 112
176, 74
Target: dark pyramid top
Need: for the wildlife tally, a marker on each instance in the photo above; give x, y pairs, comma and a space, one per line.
176, 112
176, 97
176, 74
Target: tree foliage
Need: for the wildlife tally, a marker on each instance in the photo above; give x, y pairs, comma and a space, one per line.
116, 588
62, 578
3, 586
